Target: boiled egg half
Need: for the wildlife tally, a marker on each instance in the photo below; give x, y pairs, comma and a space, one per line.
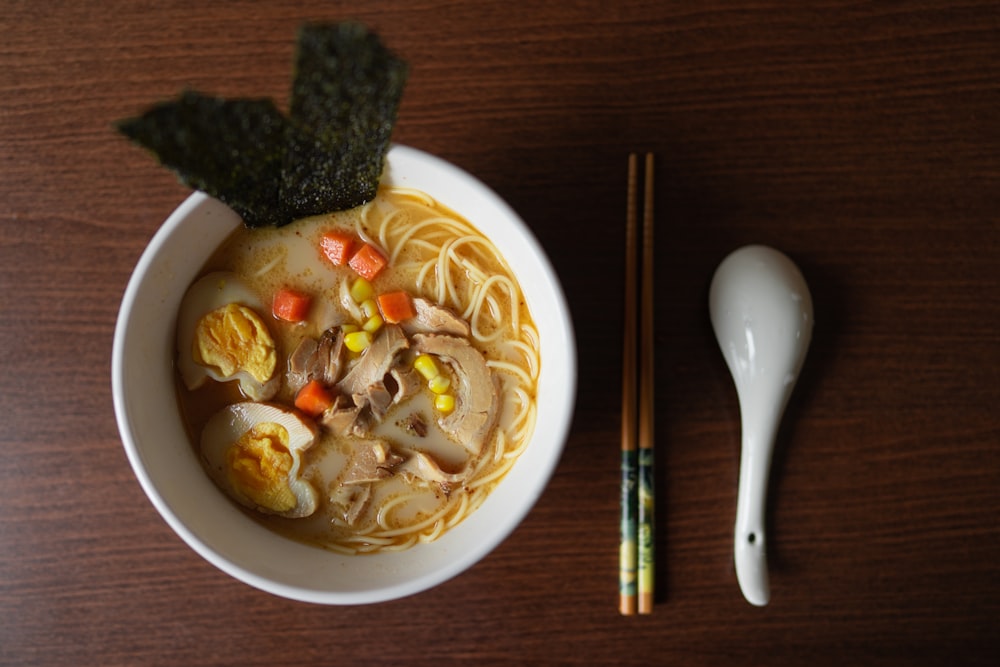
254, 453
221, 335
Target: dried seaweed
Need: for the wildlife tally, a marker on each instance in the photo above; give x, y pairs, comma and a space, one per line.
335, 154
230, 149
326, 156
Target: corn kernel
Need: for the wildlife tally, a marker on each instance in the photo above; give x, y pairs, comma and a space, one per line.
439, 384
372, 324
357, 341
369, 307
348, 328
444, 402
361, 290
425, 365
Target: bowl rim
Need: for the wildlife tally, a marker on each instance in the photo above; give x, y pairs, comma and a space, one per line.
564, 402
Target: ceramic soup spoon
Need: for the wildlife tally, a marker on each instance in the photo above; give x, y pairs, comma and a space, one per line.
762, 314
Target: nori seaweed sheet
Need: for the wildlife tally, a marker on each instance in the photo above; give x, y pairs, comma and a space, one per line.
272, 169
335, 153
231, 149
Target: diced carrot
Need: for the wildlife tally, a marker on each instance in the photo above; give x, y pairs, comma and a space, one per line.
290, 305
313, 399
395, 306
336, 246
367, 261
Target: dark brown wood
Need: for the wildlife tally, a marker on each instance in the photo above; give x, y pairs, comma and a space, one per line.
863, 139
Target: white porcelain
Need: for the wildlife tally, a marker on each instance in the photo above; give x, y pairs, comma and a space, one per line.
171, 476
762, 314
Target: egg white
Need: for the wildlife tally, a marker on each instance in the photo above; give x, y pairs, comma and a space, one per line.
232, 422
210, 292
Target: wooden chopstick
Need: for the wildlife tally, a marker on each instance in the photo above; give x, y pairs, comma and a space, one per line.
628, 545
646, 442
637, 501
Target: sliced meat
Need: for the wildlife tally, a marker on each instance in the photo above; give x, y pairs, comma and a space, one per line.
432, 318
351, 501
407, 382
370, 399
422, 466
347, 417
414, 424
341, 416
375, 362
373, 460
363, 425
316, 360
300, 363
378, 399
477, 397
426, 468
329, 355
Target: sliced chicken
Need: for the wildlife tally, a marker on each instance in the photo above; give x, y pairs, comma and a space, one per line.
423, 466
351, 500
406, 382
432, 318
316, 360
341, 416
477, 396
375, 362
373, 460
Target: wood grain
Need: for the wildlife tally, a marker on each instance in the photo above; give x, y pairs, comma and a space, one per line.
863, 139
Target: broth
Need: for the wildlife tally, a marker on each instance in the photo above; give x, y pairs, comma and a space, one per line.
435, 255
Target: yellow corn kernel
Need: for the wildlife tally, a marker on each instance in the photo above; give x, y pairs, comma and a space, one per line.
444, 402
373, 323
425, 365
348, 328
369, 307
361, 290
357, 341
439, 384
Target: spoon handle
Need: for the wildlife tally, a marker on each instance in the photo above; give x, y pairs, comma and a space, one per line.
750, 539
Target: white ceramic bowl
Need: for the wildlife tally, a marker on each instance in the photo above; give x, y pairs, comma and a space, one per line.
171, 476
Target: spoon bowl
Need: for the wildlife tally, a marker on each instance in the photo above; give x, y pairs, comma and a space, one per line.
762, 314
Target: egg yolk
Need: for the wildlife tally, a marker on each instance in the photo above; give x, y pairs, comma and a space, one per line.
258, 464
234, 338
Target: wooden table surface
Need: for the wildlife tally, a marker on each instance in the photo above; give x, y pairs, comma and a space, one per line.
863, 139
